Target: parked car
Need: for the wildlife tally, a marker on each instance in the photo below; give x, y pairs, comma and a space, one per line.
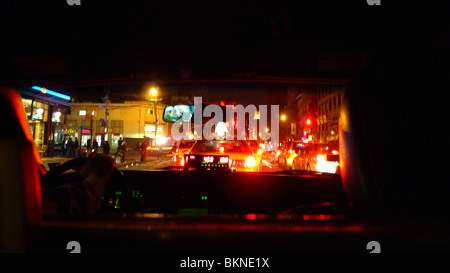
257, 149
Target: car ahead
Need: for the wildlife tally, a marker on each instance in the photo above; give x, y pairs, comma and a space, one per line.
276, 153
316, 157
236, 155
257, 149
178, 151
289, 152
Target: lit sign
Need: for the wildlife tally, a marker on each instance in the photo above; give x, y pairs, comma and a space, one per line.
151, 128
38, 113
215, 161
56, 117
44, 90
209, 162
208, 159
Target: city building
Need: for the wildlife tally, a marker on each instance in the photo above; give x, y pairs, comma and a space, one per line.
131, 120
302, 113
47, 111
312, 113
329, 99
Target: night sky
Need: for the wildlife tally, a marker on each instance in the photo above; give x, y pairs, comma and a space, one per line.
79, 49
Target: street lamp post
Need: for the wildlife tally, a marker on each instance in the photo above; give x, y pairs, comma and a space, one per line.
154, 93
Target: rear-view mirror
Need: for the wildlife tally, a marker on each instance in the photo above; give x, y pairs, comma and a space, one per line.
176, 112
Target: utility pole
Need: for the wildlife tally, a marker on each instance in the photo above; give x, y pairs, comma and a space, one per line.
105, 121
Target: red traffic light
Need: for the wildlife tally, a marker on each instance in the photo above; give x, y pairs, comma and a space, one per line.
309, 122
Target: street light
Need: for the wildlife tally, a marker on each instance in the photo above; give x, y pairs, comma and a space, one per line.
283, 126
153, 92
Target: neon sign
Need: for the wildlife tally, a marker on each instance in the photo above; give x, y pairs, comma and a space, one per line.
44, 90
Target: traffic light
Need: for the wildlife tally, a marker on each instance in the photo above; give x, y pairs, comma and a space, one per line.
308, 122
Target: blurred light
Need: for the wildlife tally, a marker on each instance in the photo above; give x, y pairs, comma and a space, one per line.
283, 117
50, 92
208, 159
153, 92
335, 152
320, 158
253, 216
250, 162
308, 121
223, 159
327, 167
221, 150
290, 160
161, 140
221, 128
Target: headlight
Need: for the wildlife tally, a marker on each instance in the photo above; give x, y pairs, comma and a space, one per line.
250, 162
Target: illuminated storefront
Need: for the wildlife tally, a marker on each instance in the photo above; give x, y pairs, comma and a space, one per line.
131, 121
46, 111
